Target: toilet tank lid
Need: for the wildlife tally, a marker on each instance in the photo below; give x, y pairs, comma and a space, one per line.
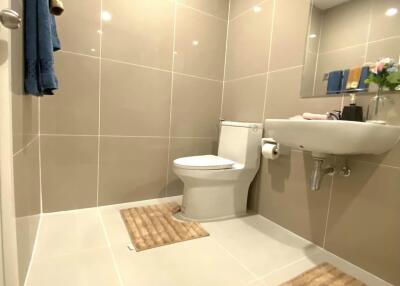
242, 124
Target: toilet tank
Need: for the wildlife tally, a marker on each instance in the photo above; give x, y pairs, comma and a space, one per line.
241, 142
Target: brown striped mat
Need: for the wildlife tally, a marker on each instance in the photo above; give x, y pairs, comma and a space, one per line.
154, 226
324, 274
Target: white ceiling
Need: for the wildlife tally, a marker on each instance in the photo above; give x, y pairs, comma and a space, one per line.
326, 4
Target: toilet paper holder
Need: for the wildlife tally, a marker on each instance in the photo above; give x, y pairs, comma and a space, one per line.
270, 141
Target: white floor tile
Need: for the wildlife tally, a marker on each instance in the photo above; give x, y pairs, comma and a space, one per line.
259, 244
68, 232
197, 262
87, 268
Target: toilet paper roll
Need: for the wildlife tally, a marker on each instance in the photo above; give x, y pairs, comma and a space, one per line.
270, 151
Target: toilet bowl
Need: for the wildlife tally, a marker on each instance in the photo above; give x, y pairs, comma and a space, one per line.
216, 187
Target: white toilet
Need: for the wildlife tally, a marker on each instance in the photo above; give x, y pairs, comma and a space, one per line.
216, 187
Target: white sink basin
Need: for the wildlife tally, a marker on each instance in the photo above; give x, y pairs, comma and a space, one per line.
334, 137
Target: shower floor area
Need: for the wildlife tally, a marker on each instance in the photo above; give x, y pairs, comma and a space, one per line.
91, 247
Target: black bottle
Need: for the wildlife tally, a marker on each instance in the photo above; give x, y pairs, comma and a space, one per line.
352, 112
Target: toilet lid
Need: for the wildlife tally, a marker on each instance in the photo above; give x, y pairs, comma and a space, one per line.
205, 162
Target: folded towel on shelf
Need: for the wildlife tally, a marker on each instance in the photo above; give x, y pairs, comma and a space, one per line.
364, 75
354, 78
344, 80
40, 41
56, 7
334, 82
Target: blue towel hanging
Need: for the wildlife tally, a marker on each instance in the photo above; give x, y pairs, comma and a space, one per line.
41, 41
364, 75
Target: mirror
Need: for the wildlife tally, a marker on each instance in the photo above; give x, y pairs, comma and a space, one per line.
344, 38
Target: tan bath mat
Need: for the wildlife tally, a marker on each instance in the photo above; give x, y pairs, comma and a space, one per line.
324, 275
153, 226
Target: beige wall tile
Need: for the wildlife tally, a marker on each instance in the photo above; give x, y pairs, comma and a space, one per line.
382, 49
289, 33
132, 169
218, 8
249, 42
345, 25
26, 181
139, 32
74, 109
310, 66
363, 219
196, 107
338, 60
383, 26
283, 96
69, 172
285, 196
243, 99
134, 100
240, 6
185, 147
24, 119
200, 42
78, 27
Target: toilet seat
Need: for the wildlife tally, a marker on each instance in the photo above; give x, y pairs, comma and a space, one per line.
205, 162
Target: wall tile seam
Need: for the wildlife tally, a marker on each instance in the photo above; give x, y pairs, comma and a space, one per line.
360, 45
128, 136
201, 12
225, 60
143, 66
270, 37
40, 157
26, 146
368, 33
99, 110
248, 10
171, 100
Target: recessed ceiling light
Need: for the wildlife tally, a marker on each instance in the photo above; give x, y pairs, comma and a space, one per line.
257, 9
93, 50
391, 12
195, 43
312, 36
106, 16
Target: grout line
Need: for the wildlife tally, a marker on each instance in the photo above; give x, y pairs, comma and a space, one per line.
286, 69
247, 77
171, 102
99, 109
235, 258
202, 12
199, 77
225, 60
26, 146
142, 66
79, 54
109, 247
270, 38
328, 210
125, 136
375, 164
35, 243
40, 155
247, 10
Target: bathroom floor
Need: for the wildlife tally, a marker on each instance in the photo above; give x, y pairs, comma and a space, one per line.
90, 247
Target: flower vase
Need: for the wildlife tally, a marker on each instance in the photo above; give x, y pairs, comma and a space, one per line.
379, 108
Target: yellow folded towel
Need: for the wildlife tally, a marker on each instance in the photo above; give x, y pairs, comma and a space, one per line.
56, 7
354, 78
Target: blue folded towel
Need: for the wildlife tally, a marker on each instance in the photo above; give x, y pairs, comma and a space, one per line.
335, 82
344, 80
364, 75
40, 42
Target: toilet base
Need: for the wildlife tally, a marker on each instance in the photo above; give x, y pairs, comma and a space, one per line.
215, 202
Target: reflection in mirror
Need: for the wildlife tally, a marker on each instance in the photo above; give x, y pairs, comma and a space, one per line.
344, 38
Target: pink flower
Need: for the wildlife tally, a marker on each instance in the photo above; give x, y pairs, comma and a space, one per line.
379, 67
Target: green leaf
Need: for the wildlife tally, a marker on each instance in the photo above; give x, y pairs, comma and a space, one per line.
394, 78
